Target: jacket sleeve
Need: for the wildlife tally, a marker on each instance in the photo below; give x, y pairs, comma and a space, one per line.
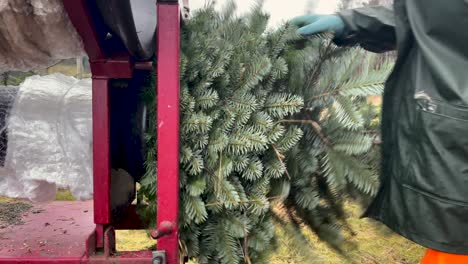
373, 28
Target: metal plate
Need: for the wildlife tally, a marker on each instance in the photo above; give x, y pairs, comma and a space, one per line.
58, 230
159, 257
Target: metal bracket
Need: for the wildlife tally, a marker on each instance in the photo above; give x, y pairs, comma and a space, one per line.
164, 229
159, 257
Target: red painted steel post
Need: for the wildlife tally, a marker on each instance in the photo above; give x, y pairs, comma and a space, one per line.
80, 17
168, 44
101, 157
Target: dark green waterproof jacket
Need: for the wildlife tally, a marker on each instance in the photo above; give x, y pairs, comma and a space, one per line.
424, 183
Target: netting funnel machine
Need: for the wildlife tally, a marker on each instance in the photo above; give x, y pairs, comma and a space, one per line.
122, 39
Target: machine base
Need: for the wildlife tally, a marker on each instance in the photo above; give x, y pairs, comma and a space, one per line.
62, 232
54, 231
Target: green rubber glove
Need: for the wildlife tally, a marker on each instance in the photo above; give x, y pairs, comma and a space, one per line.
315, 24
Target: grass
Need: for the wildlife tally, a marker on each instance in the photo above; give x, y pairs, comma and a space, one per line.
64, 195
133, 240
5, 199
11, 211
67, 67
373, 243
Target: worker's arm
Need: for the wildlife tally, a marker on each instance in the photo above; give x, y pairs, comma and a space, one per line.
371, 27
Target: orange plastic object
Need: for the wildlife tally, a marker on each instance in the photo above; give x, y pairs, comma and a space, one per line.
437, 257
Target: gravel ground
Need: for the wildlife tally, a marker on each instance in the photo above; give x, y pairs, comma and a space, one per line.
11, 212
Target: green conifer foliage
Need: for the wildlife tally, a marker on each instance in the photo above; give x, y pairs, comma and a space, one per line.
268, 120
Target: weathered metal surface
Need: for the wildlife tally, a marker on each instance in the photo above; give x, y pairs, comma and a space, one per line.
54, 232
168, 36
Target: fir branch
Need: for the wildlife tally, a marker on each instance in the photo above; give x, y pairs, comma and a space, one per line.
345, 112
344, 90
254, 73
245, 246
220, 176
316, 127
281, 104
280, 158
314, 74
249, 201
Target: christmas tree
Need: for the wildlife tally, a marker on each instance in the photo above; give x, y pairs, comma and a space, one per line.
272, 135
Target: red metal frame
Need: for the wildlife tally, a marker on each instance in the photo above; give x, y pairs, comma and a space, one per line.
80, 17
108, 64
168, 46
103, 69
101, 156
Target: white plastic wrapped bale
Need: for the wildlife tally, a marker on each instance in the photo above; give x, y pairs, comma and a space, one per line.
49, 139
35, 34
7, 98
